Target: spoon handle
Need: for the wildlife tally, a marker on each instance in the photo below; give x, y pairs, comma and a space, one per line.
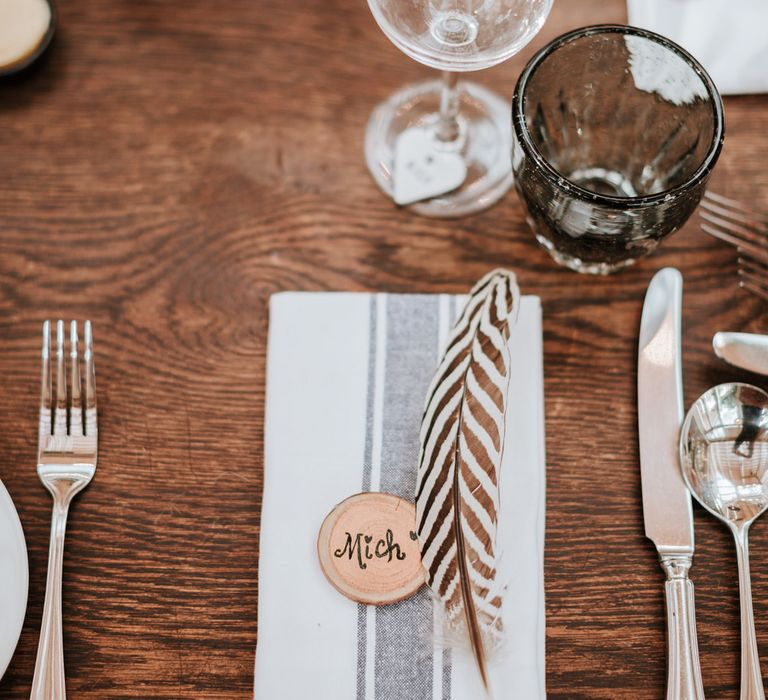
745, 350
683, 671
751, 677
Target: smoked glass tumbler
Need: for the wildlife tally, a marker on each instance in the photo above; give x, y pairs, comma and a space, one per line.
616, 132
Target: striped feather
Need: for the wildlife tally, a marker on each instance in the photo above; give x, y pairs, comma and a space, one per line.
457, 492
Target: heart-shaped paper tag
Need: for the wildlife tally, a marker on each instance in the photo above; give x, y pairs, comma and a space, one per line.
422, 169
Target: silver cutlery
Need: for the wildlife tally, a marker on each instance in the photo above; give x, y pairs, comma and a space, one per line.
66, 462
724, 454
666, 501
747, 230
745, 350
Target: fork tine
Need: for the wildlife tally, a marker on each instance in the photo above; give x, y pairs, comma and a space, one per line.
736, 221
60, 412
725, 232
712, 199
91, 425
753, 276
736, 218
738, 224
747, 282
76, 409
45, 382
754, 266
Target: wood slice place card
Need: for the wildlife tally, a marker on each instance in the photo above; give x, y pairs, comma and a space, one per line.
369, 551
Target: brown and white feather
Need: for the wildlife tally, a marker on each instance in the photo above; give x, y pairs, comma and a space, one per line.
457, 488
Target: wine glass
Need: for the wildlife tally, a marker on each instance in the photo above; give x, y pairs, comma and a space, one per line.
444, 146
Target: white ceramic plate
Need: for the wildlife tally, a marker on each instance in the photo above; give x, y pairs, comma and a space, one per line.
14, 578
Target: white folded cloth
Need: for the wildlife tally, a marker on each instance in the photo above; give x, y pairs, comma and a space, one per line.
728, 37
347, 376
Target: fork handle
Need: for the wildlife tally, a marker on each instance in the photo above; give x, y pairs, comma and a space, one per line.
683, 671
49, 681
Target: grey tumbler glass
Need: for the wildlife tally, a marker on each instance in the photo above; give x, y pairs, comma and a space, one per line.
616, 132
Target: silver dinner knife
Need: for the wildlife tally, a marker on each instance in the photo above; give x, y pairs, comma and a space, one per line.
666, 502
746, 350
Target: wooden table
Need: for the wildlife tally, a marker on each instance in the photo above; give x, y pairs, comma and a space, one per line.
163, 171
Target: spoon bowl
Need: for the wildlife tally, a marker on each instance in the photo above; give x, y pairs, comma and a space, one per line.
724, 459
724, 452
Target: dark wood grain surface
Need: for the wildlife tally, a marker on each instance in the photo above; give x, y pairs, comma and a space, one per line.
168, 166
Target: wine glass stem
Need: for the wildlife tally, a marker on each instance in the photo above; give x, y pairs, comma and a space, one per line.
448, 125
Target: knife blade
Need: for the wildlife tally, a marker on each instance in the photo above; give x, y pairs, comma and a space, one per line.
666, 502
745, 350
667, 511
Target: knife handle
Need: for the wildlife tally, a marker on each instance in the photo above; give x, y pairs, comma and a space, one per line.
683, 671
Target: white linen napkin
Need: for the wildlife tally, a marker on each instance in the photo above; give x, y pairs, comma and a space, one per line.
347, 376
728, 37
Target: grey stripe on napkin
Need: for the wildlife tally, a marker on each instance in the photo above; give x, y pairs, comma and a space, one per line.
362, 612
403, 656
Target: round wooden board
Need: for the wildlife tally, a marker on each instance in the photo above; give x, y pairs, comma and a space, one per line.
368, 549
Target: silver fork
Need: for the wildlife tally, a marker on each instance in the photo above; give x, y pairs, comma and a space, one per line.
66, 462
747, 230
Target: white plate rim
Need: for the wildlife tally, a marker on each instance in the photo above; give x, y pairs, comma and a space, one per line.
11, 637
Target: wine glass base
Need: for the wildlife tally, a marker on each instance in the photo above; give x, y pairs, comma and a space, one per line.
485, 143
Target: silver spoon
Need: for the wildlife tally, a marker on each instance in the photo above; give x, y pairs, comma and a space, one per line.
724, 456
745, 350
